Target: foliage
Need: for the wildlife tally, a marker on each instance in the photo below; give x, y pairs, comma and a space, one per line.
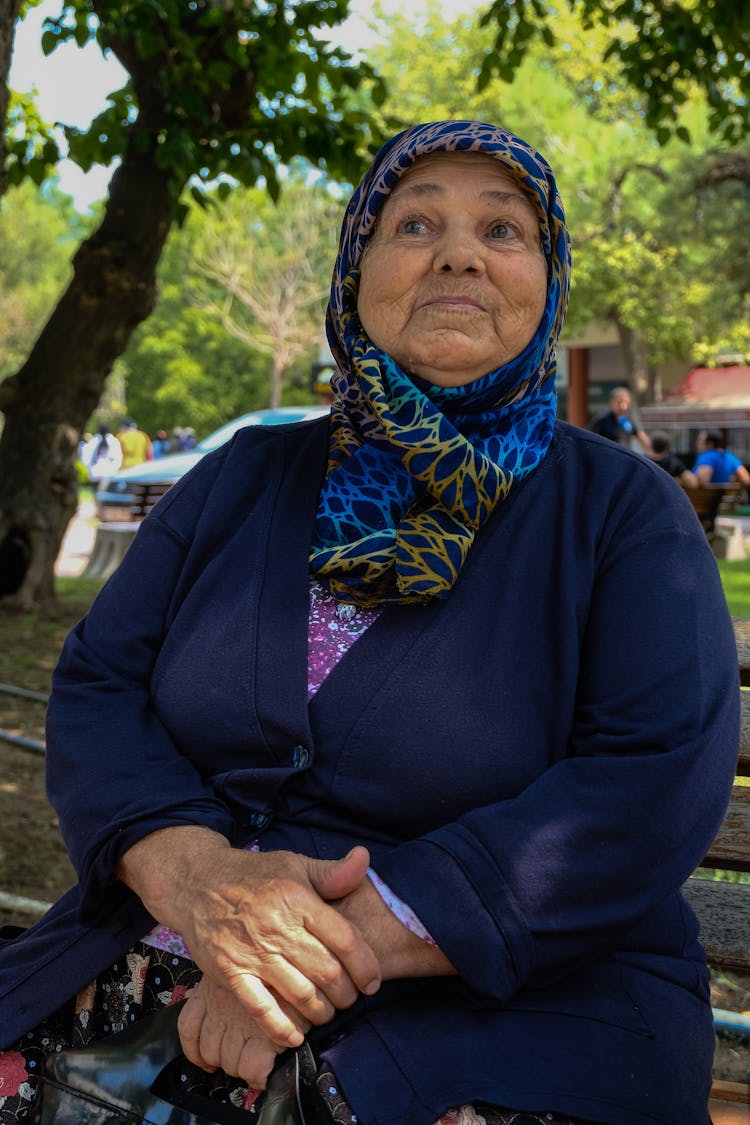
217, 93
38, 232
185, 365
658, 237
231, 88
662, 50
32, 150
264, 273
180, 367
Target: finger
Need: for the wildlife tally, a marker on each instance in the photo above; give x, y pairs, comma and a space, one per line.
256, 1061
334, 879
314, 982
233, 1043
189, 1024
211, 1043
346, 944
261, 1004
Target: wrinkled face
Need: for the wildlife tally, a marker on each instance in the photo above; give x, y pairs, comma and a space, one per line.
620, 403
453, 282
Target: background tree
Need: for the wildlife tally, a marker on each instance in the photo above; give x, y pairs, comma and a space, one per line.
39, 231
214, 91
265, 270
9, 10
661, 51
181, 367
658, 242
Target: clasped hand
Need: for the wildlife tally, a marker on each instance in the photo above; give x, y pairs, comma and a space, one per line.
276, 957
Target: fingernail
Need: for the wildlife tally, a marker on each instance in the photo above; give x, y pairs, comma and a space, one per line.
296, 1039
371, 988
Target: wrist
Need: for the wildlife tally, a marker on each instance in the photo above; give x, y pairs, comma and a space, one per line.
164, 868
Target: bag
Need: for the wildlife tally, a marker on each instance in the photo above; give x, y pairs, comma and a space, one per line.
133, 1078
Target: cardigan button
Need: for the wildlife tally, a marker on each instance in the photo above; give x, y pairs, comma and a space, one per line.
258, 820
300, 757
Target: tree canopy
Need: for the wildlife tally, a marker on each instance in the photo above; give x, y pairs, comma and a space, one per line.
657, 230
220, 96
215, 92
660, 49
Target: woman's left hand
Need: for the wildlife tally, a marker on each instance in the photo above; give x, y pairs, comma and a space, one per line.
216, 1030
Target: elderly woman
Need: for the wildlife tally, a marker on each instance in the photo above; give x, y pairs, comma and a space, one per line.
388, 766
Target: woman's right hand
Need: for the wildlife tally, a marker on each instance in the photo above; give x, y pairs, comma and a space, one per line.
257, 924
216, 1031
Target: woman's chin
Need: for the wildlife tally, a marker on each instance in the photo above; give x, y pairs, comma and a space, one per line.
441, 374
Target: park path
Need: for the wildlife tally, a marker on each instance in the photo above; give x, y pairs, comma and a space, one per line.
77, 542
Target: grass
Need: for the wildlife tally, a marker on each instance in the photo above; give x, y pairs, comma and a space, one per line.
735, 578
30, 642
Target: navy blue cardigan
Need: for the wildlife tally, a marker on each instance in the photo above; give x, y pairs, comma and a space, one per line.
537, 763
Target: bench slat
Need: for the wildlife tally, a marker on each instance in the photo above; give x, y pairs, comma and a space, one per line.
146, 496
729, 1110
743, 762
742, 640
731, 848
732, 1092
709, 500
723, 911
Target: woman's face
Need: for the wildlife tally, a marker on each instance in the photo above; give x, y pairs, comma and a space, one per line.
453, 282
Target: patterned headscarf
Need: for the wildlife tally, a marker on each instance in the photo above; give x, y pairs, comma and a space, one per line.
415, 470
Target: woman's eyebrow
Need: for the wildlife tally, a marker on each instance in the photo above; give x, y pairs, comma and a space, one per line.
431, 188
503, 197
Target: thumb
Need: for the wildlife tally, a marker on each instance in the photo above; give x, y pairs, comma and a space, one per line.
335, 878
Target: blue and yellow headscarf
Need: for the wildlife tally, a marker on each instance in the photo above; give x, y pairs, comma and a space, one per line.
415, 470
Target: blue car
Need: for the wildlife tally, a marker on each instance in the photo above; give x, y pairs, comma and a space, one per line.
115, 497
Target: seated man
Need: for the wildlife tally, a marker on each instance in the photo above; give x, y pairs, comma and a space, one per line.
715, 464
661, 453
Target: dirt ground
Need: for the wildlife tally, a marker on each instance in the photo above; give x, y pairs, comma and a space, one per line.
34, 865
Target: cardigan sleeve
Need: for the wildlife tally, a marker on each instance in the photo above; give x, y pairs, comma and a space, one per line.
114, 773
522, 891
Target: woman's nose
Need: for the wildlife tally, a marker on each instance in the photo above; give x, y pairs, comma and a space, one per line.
458, 251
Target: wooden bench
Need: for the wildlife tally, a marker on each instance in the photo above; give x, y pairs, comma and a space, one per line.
113, 538
712, 500
723, 908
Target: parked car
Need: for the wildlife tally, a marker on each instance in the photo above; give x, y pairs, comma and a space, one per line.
115, 496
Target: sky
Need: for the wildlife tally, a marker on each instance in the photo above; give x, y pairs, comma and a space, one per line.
72, 83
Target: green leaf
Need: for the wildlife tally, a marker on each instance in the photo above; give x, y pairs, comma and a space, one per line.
49, 41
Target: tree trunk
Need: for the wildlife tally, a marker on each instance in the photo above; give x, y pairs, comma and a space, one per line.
9, 10
634, 349
277, 380
48, 402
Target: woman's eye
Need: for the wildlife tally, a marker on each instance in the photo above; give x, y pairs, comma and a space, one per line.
413, 226
502, 231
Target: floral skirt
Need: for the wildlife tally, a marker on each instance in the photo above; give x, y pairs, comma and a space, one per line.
146, 980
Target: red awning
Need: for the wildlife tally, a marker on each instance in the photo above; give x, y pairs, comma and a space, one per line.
714, 386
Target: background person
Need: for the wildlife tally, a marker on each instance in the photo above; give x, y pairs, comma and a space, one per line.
160, 443
136, 444
616, 423
661, 453
715, 464
406, 635
101, 455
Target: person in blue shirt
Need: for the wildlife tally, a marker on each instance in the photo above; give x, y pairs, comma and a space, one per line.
715, 464
616, 423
